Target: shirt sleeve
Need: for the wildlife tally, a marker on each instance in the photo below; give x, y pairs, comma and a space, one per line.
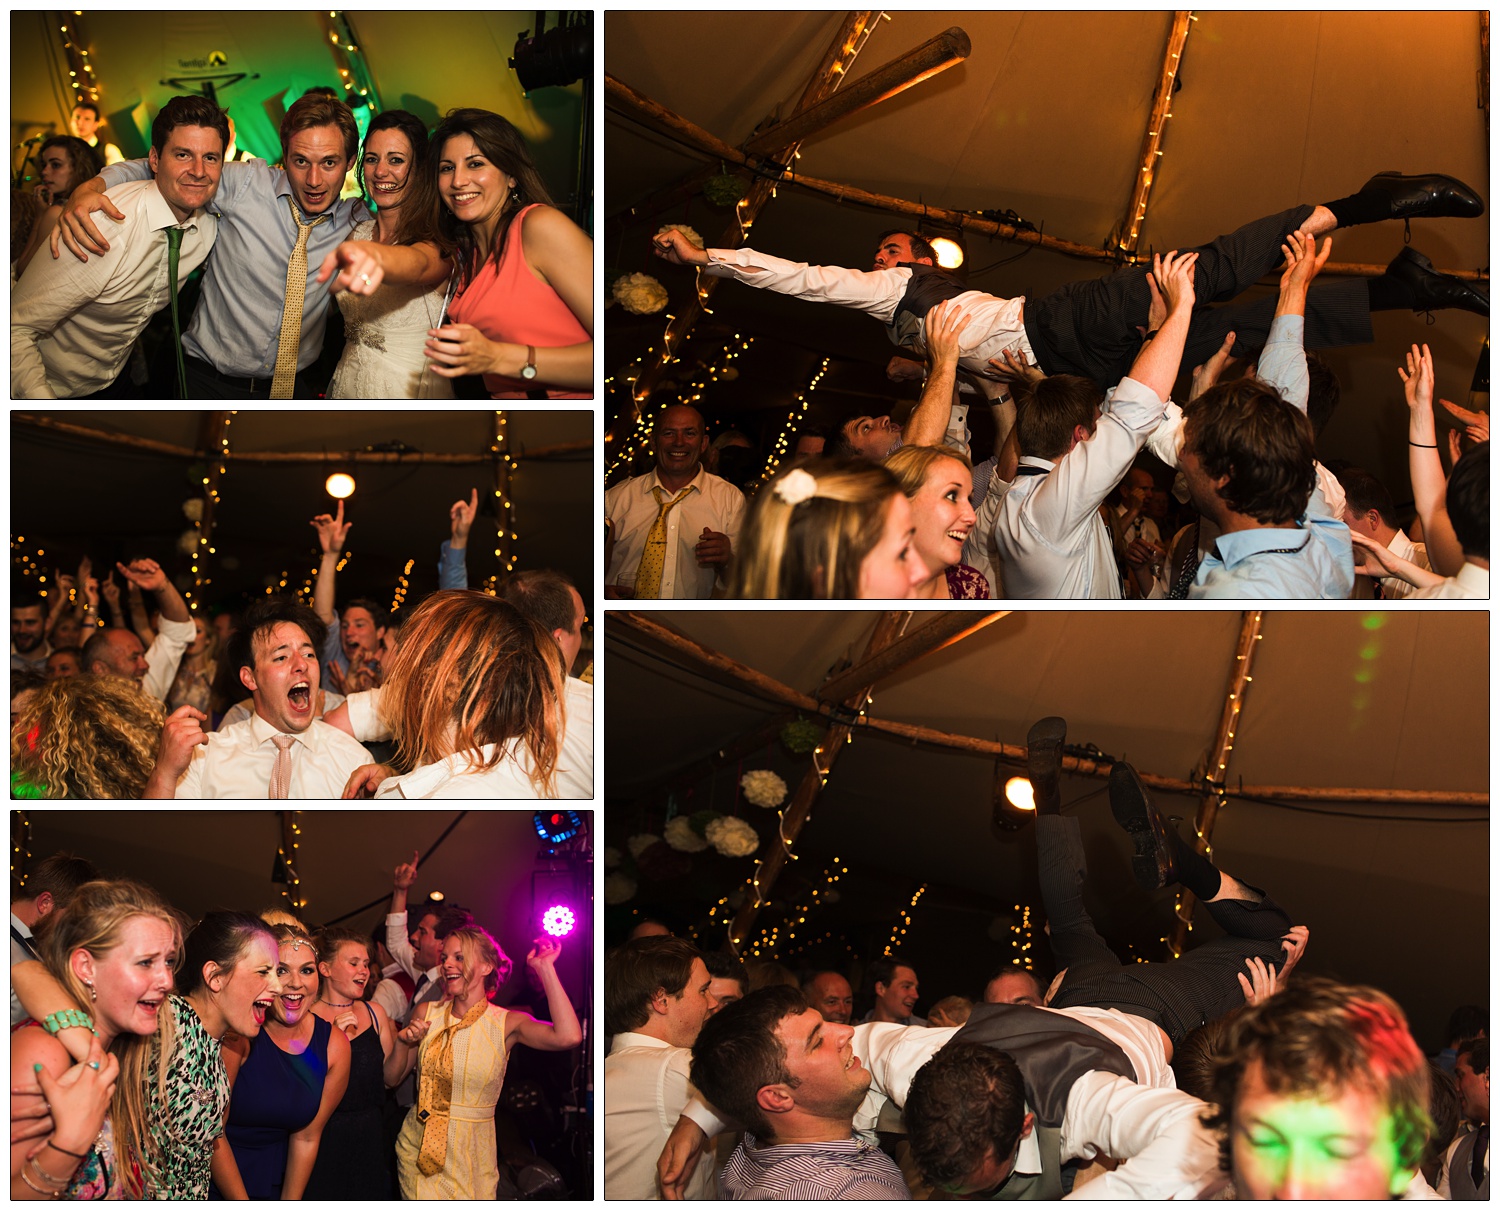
1283, 364
399, 945
453, 569
1156, 1134
390, 996
126, 170
875, 292
1074, 489
190, 785
365, 717
332, 653
165, 653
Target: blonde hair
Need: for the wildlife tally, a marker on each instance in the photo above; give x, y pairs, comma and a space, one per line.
477, 942
93, 921
911, 465
87, 738
815, 547
473, 670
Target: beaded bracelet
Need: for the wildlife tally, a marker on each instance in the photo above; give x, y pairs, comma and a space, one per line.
38, 1189
57, 1183
66, 1018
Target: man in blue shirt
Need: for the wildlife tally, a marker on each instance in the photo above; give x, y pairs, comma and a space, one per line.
233, 347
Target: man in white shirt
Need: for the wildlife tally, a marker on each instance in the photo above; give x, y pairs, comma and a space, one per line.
1467, 501
85, 125
280, 752
700, 515
1050, 535
550, 598
1369, 509
49, 887
116, 652
73, 324
655, 1002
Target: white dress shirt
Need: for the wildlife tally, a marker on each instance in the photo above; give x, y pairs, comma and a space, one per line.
1472, 583
575, 758
388, 994
240, 711
72, 323
165, 654
18, 954
631, 509
1051, 538
236, 763
645, 1090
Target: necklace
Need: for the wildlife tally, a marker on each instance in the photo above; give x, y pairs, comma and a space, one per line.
339, 1004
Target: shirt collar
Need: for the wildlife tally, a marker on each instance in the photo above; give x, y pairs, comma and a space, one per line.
653, 481
261, 731
629, 1038
159, 213
1472, 576
420, 783
1030, 460
1236, 546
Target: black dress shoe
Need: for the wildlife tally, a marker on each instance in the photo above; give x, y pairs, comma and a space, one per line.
1044, 762
1153, 863
1431, 196
1433, 290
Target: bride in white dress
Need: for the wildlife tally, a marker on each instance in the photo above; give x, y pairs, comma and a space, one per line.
391, 297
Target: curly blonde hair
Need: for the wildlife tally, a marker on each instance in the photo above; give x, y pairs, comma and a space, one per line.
477, 943
93, 921
87, 738
814, 548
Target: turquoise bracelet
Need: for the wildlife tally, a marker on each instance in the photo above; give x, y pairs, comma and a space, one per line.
68, 1017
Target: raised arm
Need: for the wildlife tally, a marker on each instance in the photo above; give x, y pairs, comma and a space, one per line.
453, 570
1283, 361
302, 1150
362, 265
1157, 363
331, 534
1429, 485
563, 1030
946, 324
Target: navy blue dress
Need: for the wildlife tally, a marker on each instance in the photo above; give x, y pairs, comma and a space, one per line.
275, 1096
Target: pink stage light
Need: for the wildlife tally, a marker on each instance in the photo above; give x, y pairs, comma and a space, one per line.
558, 921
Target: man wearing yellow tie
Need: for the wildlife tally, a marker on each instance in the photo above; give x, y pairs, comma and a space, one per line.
672, 532
259, 323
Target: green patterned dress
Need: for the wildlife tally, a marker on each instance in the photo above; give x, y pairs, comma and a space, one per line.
197, 1095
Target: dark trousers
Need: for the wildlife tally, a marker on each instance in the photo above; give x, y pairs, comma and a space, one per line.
1090, 327
205, 382
1178, 995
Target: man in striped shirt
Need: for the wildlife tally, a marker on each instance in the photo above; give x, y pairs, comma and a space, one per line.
794, 1081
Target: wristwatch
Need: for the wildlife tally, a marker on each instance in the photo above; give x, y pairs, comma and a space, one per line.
528, 371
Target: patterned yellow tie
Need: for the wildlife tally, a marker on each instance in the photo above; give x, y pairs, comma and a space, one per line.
281, 771
654, 557
291, 311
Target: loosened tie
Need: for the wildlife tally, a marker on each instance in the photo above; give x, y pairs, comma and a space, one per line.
281, 771
654, 557
285, 376
174, 249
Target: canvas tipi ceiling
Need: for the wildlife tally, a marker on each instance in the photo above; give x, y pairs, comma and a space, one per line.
1371, 706
1045, 117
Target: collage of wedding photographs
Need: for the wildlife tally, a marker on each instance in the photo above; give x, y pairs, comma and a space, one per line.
1020, 725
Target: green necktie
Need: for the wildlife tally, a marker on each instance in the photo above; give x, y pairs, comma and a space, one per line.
174, 247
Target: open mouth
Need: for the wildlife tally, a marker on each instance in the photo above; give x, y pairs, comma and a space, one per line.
291, 1002
150, 1006
360, 981
381, 188
300, 697
259, 1009
463, 199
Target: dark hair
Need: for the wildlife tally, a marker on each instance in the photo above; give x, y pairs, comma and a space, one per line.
883, 971
92, 106
503, 146
188, 111
419, 206
839, 445
738, 1053
1244, 430
1323, 393
262, 618
1317, 1038
1467, 1022
449, 918
322, 90
636, 971
28, 599
1196, 1057
378, 613
1363, 492
1010, 970
221, 938
1478, 1051
724, 966
316, 108
60, 875
87, 161
919, 245
1469, 500
1443, 1108
964, 1103
543, 595
1048, 412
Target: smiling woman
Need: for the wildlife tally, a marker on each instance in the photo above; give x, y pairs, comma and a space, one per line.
937, 481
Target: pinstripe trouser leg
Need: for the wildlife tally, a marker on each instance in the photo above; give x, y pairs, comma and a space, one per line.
1061, 868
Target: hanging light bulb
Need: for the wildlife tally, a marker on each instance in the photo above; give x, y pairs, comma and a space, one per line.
340, 485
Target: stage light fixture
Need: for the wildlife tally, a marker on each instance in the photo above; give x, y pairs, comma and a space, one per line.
1020, 794
559, 920
949, 254
340, 485
554, 57
556, 827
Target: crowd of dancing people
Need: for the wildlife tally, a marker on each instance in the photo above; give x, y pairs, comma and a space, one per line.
444, 251
257, 1056
461, 694
1099, 484
1222, 1073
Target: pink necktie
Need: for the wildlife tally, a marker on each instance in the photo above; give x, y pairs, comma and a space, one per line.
281, 772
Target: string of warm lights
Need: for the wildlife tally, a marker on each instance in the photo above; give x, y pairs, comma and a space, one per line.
292, 890
793, 419
398, 599
26, 564
20, 846
1151, 150
1021, 939
81, 77
202, 548
903, 923
798, 916
505, 468
354, 73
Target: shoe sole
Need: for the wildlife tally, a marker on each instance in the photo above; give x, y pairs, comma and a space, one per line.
1132, 812
1046, 737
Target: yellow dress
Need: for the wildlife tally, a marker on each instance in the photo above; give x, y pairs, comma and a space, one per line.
470, 1170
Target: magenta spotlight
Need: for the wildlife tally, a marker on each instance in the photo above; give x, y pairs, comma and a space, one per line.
558, 921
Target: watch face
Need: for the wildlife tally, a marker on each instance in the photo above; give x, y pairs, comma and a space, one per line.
528, 371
